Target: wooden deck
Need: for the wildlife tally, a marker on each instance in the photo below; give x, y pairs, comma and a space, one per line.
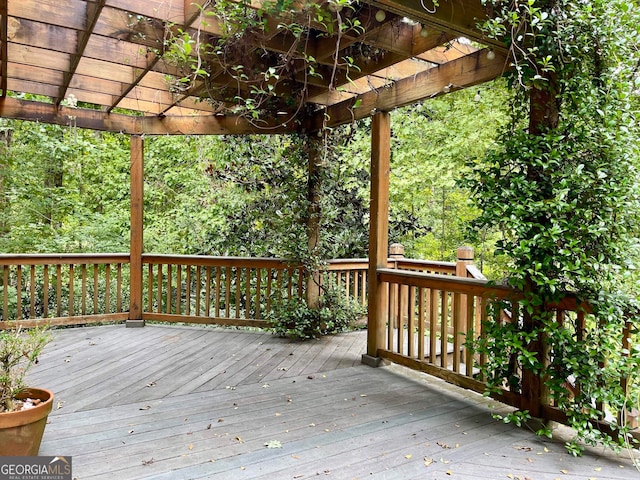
167, 402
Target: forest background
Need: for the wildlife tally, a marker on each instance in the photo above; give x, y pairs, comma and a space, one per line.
64, 189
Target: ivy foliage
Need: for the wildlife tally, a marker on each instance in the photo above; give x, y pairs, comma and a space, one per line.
562, 185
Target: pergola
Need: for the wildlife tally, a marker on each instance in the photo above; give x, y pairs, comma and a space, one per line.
109, 65
102, 65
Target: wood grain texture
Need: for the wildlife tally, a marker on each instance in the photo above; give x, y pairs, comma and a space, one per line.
167, 402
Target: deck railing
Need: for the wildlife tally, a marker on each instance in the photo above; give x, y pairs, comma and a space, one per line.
64, 289
217, 290
432, 308
433, 319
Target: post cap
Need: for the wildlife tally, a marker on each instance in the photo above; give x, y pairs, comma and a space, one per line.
396, 250
465, 254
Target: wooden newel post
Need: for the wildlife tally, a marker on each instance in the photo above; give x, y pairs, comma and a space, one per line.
464, 257
135, 250
378, 234
398, 295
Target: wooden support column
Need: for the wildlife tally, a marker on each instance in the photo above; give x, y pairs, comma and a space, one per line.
135, 250
314, 154
378, 233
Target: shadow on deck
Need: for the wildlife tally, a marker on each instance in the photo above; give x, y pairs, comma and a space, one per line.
191, 402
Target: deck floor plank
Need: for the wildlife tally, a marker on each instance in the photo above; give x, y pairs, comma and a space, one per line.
173, 402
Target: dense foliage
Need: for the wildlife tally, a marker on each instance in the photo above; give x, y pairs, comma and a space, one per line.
562, 184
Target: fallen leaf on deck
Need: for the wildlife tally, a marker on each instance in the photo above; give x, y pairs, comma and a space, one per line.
525, 449
442, 444
449, 472
311, 377
296, 457
428, 461
312, 424
564, 471
239, 440
147, 462
209, 427
191, 447
151, 384
278, 414
146, 407
220, 420
363, 394
230, 387
546, 450
130, 431
598, 469
273, 444
509, 475
59, 405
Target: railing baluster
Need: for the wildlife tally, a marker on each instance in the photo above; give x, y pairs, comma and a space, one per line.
178, 289
59, 290
70, 301
84, 289
238, 299
5, 289
400, 314
197, 293
433, 324
421, 322
390, 315
468, 352
247, 305
444, 330
170, 288
227, 292
159, 307
258, 292
32, 292
187, 294
119, 289
95, 289
207, 292
150, 288
411, 318
218, 291
45, 300
457, 325
268, 293
107, 288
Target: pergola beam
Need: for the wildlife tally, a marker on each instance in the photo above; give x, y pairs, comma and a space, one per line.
461, 73
3, 47
99, 120
92, 15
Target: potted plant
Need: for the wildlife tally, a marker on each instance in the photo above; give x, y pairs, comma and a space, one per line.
23, 411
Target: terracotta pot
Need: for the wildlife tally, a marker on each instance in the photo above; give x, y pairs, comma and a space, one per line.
21, 432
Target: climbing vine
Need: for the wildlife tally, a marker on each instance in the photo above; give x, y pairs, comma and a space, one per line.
562, 185
259, 81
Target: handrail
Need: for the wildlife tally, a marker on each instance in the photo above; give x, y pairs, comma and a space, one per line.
62, 258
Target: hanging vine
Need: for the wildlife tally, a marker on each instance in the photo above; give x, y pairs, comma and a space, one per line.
260, 82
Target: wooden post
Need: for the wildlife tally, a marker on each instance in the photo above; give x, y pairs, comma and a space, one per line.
378, 233
464, 257
137, 203
314, 153
396, 252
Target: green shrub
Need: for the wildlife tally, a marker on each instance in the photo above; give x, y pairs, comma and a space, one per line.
294, 319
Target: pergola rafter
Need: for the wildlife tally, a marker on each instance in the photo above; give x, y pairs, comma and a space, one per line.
110, 55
